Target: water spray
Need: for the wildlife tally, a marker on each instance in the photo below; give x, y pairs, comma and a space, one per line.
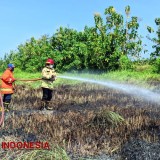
126, 88
129, 89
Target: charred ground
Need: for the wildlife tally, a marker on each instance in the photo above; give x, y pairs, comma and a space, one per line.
78, 122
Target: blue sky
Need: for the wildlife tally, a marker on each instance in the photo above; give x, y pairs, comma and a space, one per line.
20, 20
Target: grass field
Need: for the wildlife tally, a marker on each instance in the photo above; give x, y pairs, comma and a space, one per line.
87, 119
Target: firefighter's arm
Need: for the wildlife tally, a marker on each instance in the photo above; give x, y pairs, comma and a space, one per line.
8, 78
53, 73
54, 76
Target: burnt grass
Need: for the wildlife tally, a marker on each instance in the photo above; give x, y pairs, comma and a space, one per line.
76, 123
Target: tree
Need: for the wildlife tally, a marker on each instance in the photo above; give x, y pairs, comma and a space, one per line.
155, 40
104, 46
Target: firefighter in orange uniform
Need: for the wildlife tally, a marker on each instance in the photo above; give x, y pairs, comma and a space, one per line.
7, 86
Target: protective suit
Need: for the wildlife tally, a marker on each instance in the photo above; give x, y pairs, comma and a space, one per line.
7, 85
48, 77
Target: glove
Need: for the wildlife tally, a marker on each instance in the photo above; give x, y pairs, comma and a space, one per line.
52, 78
10, 80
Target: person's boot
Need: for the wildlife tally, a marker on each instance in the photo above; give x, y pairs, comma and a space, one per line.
6, 107
43, 105
48, 106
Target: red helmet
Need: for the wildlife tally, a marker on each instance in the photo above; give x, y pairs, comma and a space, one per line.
50, 61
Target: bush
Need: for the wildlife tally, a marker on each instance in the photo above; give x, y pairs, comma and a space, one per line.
125, 63
156, 66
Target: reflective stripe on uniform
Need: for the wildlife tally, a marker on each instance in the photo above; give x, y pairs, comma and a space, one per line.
6, 89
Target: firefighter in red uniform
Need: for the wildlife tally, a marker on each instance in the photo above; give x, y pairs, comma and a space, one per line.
7, 86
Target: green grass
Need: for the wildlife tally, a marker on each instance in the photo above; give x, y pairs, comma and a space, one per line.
110, 118
56, 153
25, 75
133, 77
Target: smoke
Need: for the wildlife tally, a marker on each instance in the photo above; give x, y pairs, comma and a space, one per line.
129, 89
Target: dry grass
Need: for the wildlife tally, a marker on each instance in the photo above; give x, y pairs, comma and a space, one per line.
88, 119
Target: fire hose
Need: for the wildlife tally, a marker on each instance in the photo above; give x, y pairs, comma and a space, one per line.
36, 79
2, 107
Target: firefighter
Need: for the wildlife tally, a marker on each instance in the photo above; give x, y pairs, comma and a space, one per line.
48, 77
7, 86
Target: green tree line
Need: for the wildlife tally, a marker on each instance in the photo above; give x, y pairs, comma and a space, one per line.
105, 46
